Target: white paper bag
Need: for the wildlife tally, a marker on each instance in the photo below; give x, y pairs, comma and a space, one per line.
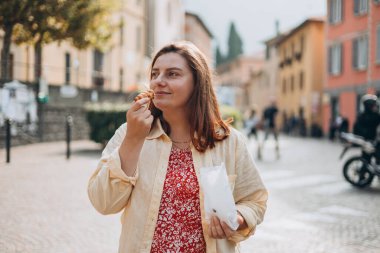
218, 199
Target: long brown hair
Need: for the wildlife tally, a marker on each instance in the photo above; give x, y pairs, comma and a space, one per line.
207, 126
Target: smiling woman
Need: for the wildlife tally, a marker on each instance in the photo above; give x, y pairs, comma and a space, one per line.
151, 166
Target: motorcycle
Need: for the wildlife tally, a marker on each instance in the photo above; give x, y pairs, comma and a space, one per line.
359, 170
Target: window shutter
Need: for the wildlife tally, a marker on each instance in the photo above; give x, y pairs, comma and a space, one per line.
341, 58
356, 7
355, 53
330, 10
330, 59
378, 45
365, 51
341, 10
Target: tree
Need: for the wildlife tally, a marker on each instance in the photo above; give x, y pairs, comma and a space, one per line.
218, 56
12, 13
235, 43
83, 22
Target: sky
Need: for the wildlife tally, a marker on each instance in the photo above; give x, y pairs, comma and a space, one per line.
254, 19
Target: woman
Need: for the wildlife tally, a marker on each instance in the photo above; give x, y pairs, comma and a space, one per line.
150, 167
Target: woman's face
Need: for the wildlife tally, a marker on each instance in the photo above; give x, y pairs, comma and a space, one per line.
172, 82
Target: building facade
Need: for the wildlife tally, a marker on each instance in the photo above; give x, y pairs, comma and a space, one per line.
262, 86
120, 67
166, 22
353, 51
301, 72
198, 33
233, 79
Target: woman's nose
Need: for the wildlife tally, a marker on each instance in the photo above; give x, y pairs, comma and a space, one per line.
158, 81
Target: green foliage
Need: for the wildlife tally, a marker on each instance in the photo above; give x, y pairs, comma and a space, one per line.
232, 112
104, 119
235, 43
83, 22
218, 56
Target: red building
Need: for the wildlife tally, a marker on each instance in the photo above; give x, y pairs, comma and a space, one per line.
353, 53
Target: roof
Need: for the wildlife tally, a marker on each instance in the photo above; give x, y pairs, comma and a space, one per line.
299, 27
200, 22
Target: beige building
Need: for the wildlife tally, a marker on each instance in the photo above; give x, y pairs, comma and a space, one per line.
198, 33
120, 68
262, 86
165, 23
233, 80
301, 71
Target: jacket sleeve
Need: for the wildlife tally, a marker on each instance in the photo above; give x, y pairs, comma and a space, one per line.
250, 193
109, 188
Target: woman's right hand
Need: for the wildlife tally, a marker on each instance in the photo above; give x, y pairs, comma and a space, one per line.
139, 120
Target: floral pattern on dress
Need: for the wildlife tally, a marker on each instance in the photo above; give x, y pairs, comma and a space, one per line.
179, 224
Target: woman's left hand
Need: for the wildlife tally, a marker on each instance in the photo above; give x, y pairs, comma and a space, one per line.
220, 230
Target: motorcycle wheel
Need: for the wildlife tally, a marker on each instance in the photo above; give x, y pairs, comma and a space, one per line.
355, 171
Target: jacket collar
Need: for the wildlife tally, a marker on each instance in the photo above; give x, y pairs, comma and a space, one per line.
157, 131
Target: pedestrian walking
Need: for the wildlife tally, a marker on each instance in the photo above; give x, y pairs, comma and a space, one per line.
252, 123
269, 118
150, 168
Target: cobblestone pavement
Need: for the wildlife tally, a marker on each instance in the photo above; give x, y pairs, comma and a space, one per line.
311, 209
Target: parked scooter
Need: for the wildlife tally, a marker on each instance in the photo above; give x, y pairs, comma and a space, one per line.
359, 170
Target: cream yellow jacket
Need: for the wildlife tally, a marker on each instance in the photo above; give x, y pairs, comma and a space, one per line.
111, 190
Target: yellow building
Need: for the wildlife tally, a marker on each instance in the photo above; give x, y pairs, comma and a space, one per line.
301, 71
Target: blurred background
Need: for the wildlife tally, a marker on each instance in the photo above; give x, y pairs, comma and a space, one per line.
70, 69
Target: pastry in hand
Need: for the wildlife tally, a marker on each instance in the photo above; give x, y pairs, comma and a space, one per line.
146, 94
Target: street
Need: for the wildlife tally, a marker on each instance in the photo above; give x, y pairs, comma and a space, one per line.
44, 206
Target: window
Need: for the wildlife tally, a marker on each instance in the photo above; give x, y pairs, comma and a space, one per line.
292, 83
284, 85
98, 61
360, 53
335, 59
378, 44
67, 68
335, 13
360, 7
98, 78
301, 80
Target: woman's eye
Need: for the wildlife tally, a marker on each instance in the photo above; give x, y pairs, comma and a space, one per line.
173, 74
153, 75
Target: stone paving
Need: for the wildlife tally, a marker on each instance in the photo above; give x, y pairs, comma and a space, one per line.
44, 205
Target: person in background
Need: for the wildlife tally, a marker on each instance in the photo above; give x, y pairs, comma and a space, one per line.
367, 123
150, 168
252, 124
269, 118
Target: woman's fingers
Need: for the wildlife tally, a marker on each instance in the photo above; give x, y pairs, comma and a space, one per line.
226, 229
216, 230
139, 104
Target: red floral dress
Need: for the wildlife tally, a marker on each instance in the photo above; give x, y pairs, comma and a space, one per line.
179, 225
